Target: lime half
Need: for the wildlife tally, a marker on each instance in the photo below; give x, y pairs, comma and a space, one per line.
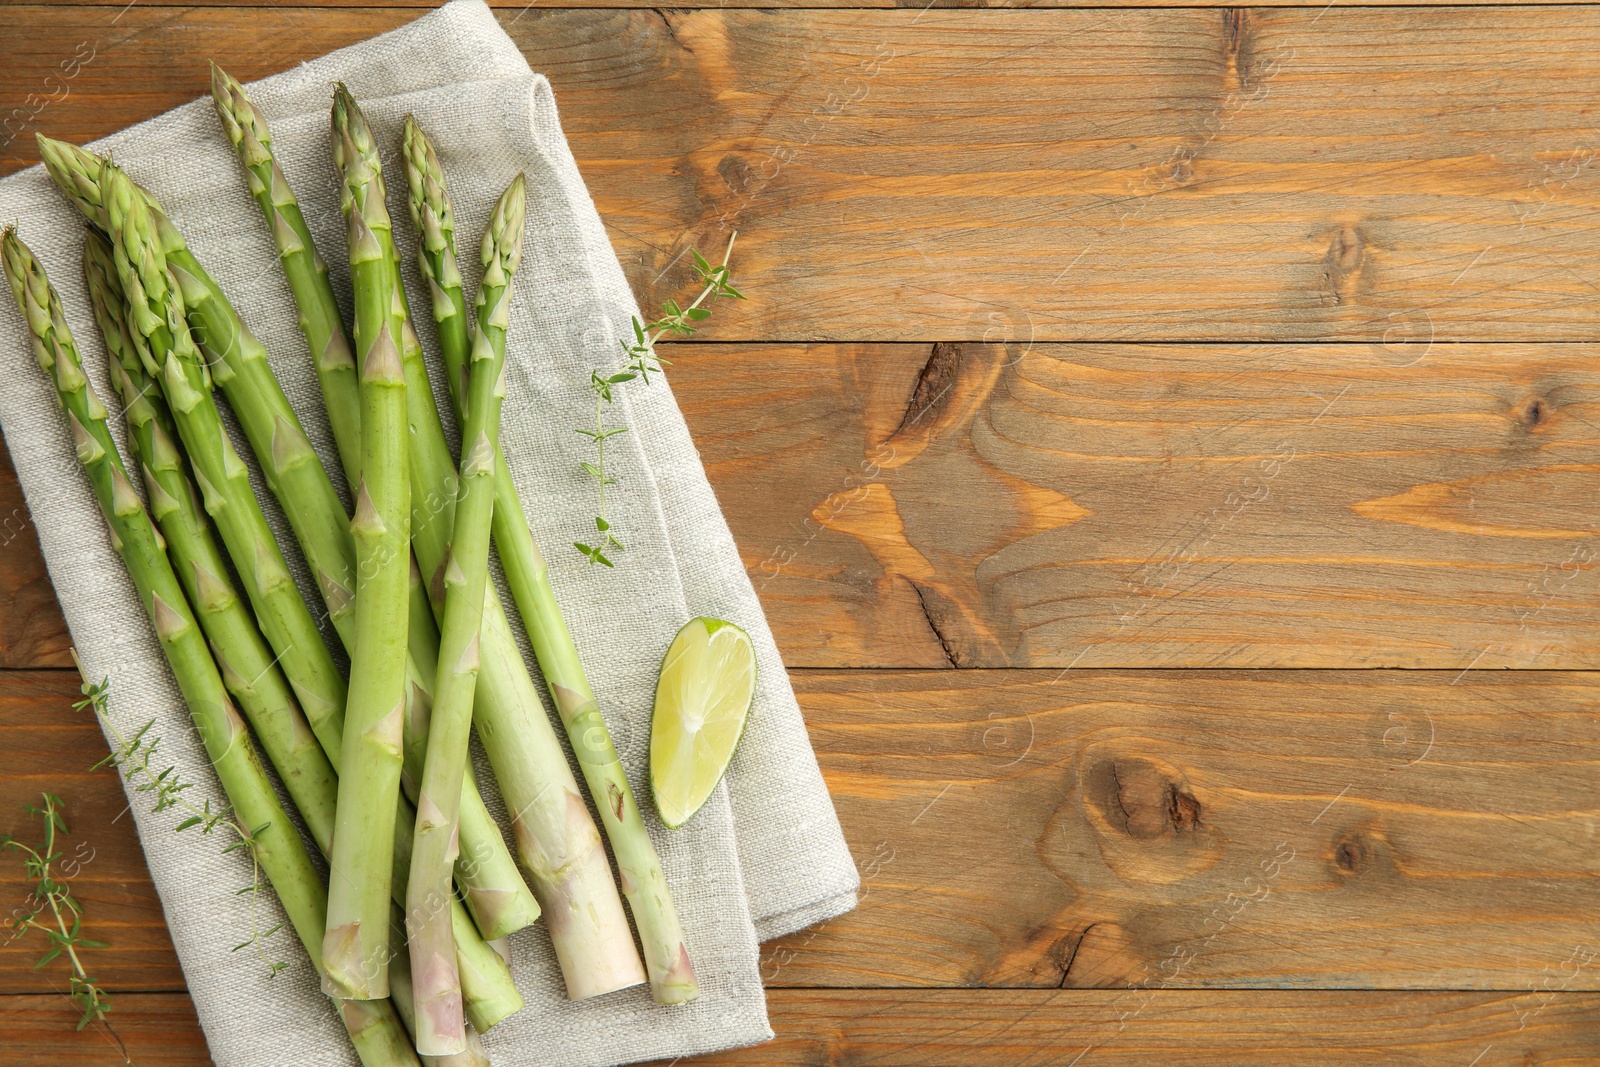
708, 679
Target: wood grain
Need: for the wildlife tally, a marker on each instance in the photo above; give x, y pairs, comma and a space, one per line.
156, 1029
1141, 865
1265, 174
50, 746
32, 632
1114, 505
1203, 829
514, 7
1200, 505
982, 1027
950, 1028
989, 1028
1207, 829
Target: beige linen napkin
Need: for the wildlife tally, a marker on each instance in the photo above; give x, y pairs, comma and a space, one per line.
765, 856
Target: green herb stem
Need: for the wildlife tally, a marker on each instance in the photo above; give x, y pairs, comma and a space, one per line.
642, 360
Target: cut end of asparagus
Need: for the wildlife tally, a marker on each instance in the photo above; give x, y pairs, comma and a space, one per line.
472, 1056
441, 1026
580, 904
348, 972
502, 912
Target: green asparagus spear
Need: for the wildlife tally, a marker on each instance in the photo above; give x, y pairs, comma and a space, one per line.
307, 273
400, 984
557, 840
357, 945
666, 954
439, 1019
375, 1029
494, 891
290, 745
239, 362
167, 350
486, 982
242, 655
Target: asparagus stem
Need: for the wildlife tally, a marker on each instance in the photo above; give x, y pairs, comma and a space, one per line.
494, 891
439, 1020
169, 355
357, 944
274, 842
471, 1055
302, 765
242, 655
557, 841
666, 954
487, 985
320, 320
240, 366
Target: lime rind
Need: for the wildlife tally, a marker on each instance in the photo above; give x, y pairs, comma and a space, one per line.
703, 698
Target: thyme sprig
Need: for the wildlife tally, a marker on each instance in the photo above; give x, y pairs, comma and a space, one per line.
63, 925
640, 361
136, 756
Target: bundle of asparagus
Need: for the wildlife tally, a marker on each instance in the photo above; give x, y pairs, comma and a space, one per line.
556, 838
274, 842
404, 582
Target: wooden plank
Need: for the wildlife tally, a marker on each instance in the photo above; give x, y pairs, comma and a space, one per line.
1118, 506
1270, 174
1207, 829
1268, 829
1276, 174
32, 632
989, 1028
979, 1028
516, 6
81, 73
1115, 505
50, 746
155, 1029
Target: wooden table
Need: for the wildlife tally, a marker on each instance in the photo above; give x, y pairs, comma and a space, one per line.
1125, 394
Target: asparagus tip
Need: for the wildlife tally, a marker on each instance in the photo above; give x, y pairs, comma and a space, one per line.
221, 86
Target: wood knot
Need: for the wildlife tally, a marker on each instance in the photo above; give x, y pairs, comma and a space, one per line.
934, 382
736, 174
1362, 851
1237, 48
1532, 413
1342, 263
1234, 23
1145, 819
1135, 796
1344, 251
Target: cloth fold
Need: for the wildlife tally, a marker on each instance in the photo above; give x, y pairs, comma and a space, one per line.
765, 856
